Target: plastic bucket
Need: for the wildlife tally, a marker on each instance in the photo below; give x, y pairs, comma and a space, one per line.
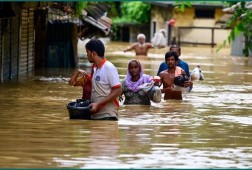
78, 112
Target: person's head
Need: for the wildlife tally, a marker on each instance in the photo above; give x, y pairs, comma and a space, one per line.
171, 58
94, 47
176, 48
141, 38
134, 68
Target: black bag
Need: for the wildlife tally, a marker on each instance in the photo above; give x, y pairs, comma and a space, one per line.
180, 80
82, 103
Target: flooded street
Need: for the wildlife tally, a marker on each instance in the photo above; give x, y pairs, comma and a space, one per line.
210, 128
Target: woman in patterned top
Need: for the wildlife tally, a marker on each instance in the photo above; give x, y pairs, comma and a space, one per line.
131, 85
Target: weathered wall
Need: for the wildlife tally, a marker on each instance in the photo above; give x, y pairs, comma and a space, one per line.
17, 43
187, 18
199, 35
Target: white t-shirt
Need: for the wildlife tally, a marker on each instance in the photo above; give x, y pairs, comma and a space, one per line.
105, 77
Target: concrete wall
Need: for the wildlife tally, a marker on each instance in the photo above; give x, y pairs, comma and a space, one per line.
161, 16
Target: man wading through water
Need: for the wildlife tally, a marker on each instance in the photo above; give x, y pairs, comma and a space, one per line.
141, 47
106, 86
168, 76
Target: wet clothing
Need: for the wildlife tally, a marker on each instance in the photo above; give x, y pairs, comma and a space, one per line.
86, 84
104, 78
163, 66
133, 85
133, 94
178, 71
131, 97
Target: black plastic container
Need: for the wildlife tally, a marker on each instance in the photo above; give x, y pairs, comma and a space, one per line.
78, 112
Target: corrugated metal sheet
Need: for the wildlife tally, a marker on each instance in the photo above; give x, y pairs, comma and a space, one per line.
237, 45
26, 61
14, 46
7, 53
1, 56
9, 48
17, 44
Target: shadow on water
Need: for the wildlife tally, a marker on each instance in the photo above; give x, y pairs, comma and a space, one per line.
210, 128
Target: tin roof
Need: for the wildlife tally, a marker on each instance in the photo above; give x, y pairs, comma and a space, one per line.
93, 20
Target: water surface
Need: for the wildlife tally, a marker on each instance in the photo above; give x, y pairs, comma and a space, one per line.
210, 128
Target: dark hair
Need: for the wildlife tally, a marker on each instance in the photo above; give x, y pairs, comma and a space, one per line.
175, 46
170, 54
97, 46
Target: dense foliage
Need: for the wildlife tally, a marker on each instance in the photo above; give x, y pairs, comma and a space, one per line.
136, 12
79, 6
241, 22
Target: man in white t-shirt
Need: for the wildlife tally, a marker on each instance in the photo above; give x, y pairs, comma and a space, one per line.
106, 86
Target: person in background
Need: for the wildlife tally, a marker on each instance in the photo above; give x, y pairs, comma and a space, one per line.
139, 88
141, 47
163, 66
106, 86
159, 39
167, 77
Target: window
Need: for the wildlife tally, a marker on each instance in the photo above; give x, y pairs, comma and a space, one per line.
154, 25
204, 13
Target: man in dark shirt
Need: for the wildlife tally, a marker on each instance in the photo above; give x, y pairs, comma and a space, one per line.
163, 66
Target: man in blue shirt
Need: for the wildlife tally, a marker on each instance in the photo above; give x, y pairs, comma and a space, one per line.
163, 66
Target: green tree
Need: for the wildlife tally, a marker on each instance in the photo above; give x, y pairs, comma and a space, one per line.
135, 12
78, 7
241, 22
132, 12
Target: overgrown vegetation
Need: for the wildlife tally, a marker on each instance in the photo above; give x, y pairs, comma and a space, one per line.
129, 12
241, 22
135, 12
78, 7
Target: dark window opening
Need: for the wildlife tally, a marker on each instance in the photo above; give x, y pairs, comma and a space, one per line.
204, 13
154, 27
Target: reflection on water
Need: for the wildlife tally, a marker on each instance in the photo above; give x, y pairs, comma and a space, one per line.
210, 128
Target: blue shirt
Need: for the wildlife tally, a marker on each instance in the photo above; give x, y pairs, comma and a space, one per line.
163, 66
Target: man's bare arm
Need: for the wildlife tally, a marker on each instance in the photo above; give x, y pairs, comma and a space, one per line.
130, 48
75, 76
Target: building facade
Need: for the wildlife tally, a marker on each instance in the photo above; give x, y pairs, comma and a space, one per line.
195, 25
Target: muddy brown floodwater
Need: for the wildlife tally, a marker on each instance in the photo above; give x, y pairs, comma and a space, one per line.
210, 128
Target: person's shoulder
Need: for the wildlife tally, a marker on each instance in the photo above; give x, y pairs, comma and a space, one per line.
148, 77
134, 44
163, 63
109, 65
180, 69
150, 45
163, 72
183, 62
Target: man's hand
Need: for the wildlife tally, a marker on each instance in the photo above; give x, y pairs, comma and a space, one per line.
188, 84
167, 89
94, 107
82, 72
